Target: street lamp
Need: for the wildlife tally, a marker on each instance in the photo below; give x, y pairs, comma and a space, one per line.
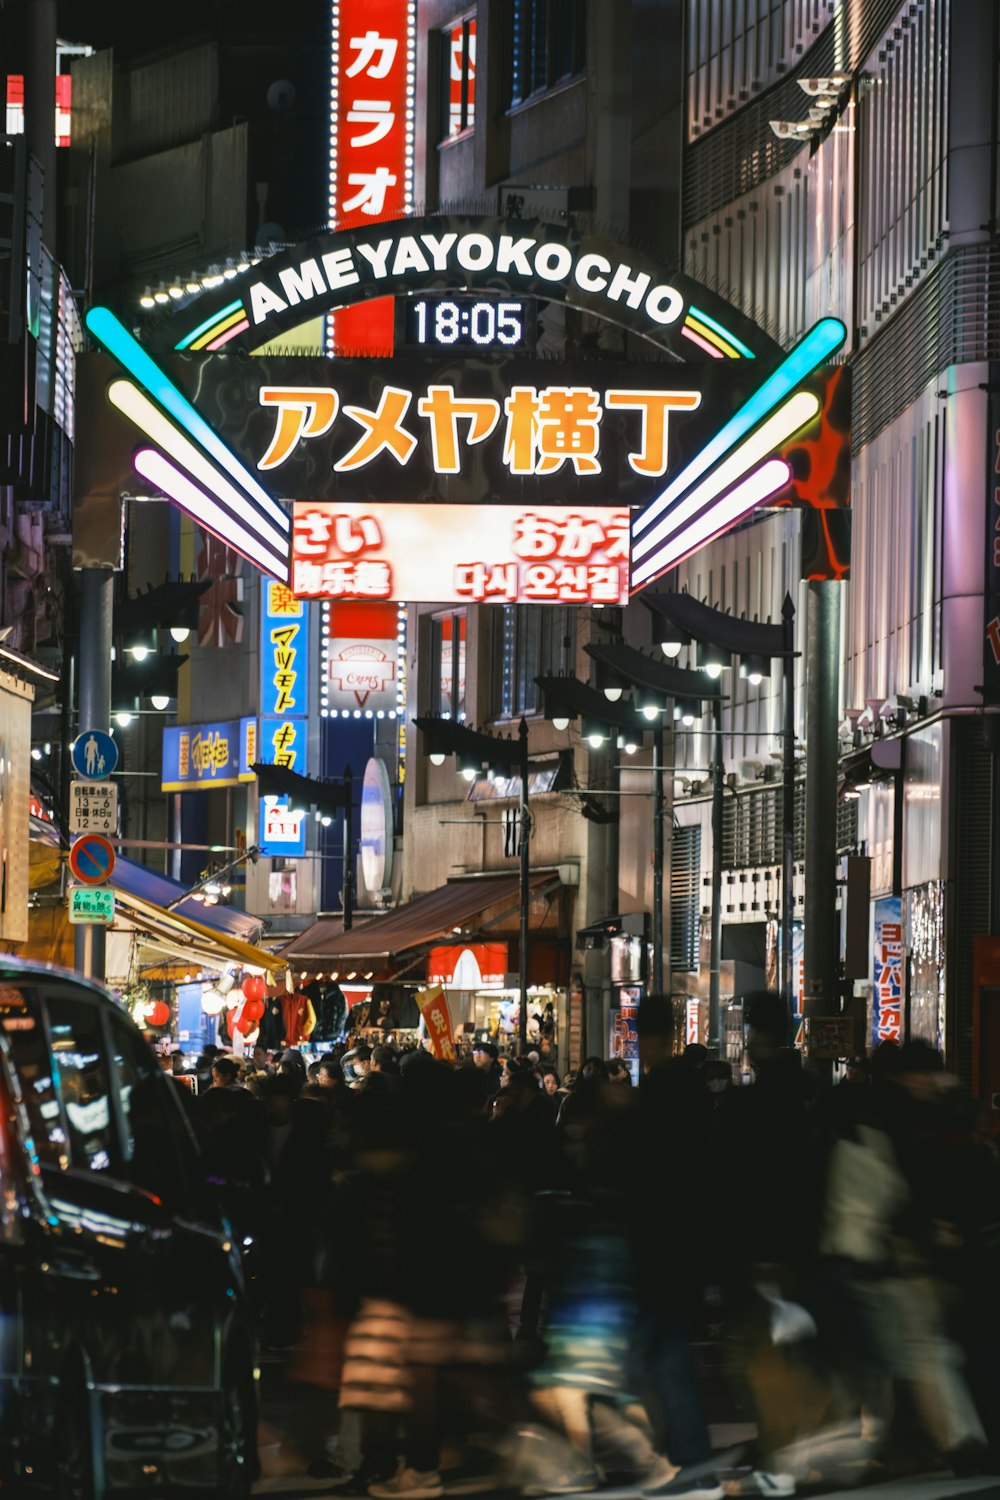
754, 643
655, 684
475, 751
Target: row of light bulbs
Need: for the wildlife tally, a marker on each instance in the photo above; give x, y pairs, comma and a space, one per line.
195, 284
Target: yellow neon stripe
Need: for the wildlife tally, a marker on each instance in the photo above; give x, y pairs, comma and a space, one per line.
707, 333
213, 333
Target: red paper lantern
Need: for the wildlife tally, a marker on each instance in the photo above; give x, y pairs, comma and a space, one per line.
255, 987
158, 1014
253, 1010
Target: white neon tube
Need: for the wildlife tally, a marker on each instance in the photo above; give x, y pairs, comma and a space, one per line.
824, 339
170, 481
796, 413
767, 480
149, 419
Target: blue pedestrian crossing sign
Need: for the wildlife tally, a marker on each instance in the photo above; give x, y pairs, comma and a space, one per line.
94, 754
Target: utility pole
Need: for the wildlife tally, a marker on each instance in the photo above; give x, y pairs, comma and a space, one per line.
348, 880
657, 985
822, 946
788, 807
715, 954
94, 679
525, 885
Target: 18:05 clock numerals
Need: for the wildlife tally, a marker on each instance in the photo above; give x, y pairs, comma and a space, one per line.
479, 323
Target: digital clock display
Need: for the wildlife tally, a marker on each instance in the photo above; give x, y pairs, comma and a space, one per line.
466, 323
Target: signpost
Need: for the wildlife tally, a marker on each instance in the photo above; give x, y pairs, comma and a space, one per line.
91, 905
92, 859
94, 754
93, 807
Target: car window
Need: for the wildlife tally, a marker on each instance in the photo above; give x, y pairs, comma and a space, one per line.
22, 1025
157, 1149
80, 1075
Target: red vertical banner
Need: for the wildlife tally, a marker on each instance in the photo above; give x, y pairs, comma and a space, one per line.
371, 143
434, 1009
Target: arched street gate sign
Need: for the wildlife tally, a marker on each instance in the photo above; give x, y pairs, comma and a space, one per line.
461, 466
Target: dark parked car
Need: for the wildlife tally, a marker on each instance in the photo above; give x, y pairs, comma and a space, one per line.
126, 1343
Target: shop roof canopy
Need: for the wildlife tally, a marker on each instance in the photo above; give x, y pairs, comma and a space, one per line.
184, 938
439, 917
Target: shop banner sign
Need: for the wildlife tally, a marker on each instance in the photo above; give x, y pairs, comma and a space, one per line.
887, 988
283, 742
284, 652
470, 967
484, 554
361, 652
197, 756
371, 153
434, 1009
282, 831
625, 1032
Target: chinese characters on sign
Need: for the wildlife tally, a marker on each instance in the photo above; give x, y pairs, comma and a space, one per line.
371, 147
887, 987
541, 555
93, 807
203, 755
437, 1019
91, 904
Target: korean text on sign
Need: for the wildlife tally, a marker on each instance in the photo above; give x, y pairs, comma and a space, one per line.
545, 554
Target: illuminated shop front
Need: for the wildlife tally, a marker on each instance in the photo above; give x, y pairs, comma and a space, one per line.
486, 1006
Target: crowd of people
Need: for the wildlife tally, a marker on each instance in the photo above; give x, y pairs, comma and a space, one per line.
488, 1275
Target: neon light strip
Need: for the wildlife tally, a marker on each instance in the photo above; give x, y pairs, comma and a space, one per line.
210, 323
773, 476
118, 341
730, 338
150, 420
240, 326
802, 408
220, 326
713, 338
170, 481
696, 338
819, 343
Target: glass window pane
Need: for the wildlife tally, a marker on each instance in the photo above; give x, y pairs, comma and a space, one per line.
157, 1148
80, 1070
470, 73
455, 77
21, 1019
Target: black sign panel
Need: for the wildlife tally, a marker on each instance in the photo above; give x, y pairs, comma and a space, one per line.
466, 430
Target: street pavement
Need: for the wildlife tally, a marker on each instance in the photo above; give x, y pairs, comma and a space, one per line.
293, 1412
929, 1487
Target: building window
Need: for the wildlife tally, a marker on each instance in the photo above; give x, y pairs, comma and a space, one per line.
547, 45
530, 641
459, 77
685, 884
448, 665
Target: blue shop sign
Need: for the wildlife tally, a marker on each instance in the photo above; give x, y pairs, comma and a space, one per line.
282, 831
284, 651
196, 756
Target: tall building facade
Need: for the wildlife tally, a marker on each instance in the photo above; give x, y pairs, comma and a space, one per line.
803, 159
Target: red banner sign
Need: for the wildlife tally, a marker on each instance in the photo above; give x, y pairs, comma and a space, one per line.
434, 1009
466, 968
371, 145
499, 555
